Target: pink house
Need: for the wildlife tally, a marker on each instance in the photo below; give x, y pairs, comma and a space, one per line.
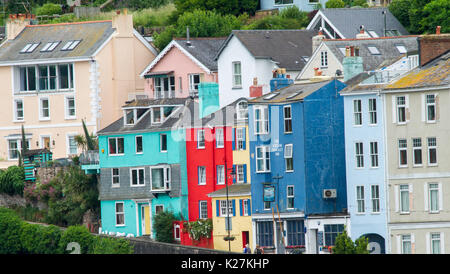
181, 66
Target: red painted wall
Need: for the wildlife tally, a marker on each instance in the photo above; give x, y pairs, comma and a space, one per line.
210, 157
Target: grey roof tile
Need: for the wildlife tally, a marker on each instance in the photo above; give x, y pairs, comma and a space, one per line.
203, 49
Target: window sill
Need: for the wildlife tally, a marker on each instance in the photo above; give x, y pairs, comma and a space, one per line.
120, 225
116, 154
137, 185
113, 186
18, 121
236, 87
160, 190
432, 165
404, 213
434, 212
431, 122
258, 172
139, 153
373, 125
44, 119
70, 118
289, 171
289, 132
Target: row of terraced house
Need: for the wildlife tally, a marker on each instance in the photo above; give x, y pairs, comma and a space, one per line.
283, 138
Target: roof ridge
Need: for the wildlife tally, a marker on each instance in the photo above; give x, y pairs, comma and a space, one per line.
70, 23
200, 38
372, 38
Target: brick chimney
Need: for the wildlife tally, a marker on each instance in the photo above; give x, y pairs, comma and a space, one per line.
353, 63
16, 24
316, 40
432, 46
255, 89
362, 33
123, 23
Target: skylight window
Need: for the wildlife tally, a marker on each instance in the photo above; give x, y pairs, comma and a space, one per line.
294, 94
50, 46
342, 49
29, 48
71, 45
373, 50
401, 48
373, 33
270, 96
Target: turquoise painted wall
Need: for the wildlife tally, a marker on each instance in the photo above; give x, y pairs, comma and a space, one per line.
108, 214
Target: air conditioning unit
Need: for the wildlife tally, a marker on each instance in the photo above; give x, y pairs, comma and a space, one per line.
329, 193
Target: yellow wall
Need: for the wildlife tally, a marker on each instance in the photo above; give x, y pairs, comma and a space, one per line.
241, 157
239, 224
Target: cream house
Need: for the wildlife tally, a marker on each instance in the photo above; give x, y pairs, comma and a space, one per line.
53, 76
418, 178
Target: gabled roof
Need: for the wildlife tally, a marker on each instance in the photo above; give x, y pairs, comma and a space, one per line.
386, 46
293, 93
92, 35
433, 74
347, 21
285, 47
233, 190
201, 50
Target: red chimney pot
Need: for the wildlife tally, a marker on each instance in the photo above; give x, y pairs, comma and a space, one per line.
438, 30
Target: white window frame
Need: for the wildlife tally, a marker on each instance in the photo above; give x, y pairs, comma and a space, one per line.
161, 115
429, 105
221, 174
439, 238
67, 107
166, 178
360, 200
200, 177
406, 191
417, 147
236, 75
117, 146
41, 109
193, 87
18, 147
400, 150
201, 132
324, 59
432, 146
245, 207
161, 143
16, 110
357, 112
436, 188
240, 138
359, 155
287, 119
136, 144
137, 169
219, 138
374, 159
119, 212
115, 176
289, 154
242, 113
240, 173
175, 228
223, 208
267, 205
68, 137
403, 240
375, 197
263, 121
290, 196
401, 108
200, 211
264, 150
373, 119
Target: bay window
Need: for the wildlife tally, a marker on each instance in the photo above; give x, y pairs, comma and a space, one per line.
160, 178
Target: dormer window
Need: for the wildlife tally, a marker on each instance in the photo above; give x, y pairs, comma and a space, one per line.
70, 45
159, 114
132, 116
50, 46
156, 115
242, 110
29, 48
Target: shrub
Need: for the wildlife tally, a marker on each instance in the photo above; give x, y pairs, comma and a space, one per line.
49, 9
12, 180
10, 232
77, 234
199, 229
163, 224
104, 245
331, 4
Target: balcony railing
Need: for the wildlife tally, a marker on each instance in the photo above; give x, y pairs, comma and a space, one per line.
90, 157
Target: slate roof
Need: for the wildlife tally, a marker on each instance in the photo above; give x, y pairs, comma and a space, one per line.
386, 46
92, 35
286, 47
225, 116
433, 74
178, 117
203, 49
348, 20
292, 93
233, 190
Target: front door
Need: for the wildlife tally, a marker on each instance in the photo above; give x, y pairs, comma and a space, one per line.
245, 236
313, 247
145, 220
46, 142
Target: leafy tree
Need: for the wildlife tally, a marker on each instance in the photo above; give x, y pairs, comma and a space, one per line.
12, 180
400, 9
359, 3
436, 13
416, 14
163, 225
49, 9
331, 4
234, 7
345, 245
77, 234
10, 226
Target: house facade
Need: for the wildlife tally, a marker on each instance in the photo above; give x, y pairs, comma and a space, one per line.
416, 134
180, 67
53, 76
143, 166
303, 5
248, 58
296, 204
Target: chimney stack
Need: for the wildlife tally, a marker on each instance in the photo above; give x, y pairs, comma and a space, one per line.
438, 30
255, 89
16, 24
316, 40
352, 63
123, 23
362, 33
188, 41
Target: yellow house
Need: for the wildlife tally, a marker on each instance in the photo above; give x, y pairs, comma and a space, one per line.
53, 76
239, 214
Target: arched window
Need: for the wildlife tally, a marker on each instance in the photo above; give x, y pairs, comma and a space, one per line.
242, 110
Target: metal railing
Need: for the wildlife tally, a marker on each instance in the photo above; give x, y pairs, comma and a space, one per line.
90, 157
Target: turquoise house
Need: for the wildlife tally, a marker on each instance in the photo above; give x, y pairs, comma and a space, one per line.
142, 163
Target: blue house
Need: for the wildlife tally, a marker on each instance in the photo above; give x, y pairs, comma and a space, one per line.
304, 5
297, 159
142, 162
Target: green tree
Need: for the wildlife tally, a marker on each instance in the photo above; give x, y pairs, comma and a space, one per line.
10, 227
416, 14
359, 3
234, 7
49, 9
332, 4
345, 245
163, 225
76, 234
436, 13
400, 9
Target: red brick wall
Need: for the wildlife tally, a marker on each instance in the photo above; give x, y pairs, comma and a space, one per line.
432, 46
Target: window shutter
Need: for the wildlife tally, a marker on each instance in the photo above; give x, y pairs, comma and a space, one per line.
233, 139
394, 109
235, 176
428, 243
442, 243
423, 104
199, 209
437, 106
441, 200
241, 210
413, 244
411, 202
425, 196
245, 172
244, 138
249, 207
408, 114
399, 245
233, 203
217, 208
397, 198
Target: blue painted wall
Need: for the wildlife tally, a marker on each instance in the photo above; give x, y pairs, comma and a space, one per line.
319, 153
368, 222
303, 5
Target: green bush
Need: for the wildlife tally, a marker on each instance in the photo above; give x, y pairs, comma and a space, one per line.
163, 225
77, 234
104, 245
12, 180
49, 9
331, 4
10, 232
37, 239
